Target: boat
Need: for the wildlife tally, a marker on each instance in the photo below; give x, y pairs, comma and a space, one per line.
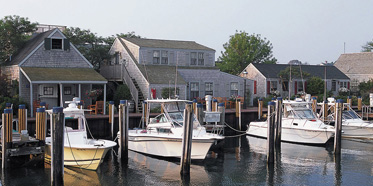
299, 125
353, 126
164, 133
79, 151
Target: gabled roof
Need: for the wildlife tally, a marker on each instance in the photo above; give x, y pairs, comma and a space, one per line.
272, 70
62, 75
30, 45
172, 44
356, 63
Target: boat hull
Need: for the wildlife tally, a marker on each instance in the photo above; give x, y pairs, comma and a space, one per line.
357, 132
168, 146
294, 135
85, 157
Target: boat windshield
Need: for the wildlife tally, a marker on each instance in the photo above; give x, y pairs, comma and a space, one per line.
349, 114
176, 116
304, 114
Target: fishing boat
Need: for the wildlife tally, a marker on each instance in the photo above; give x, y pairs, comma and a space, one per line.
353, 126
299, 125
163, 134
79, 151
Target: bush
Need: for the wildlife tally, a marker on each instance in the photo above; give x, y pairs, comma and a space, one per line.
122, 93
13, 100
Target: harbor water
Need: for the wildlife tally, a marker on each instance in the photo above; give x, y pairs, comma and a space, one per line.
239, 161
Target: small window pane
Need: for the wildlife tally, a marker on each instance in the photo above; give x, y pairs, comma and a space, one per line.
48, 90
56, 43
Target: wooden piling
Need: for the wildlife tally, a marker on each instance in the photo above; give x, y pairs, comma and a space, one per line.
238, 114
278, 123
221, 109
111, 117
214, 105
314, 104
325, 111
40, 124
22, 118
195, 102
187, 140
270, 133
349, 101
200, 112
359, 103
338, 127
260, 108
144, 114
6, 137
57, 128
123, 128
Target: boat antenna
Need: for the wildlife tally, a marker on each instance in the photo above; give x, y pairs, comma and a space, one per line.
301, 76
325, 83
177, 61
290, 83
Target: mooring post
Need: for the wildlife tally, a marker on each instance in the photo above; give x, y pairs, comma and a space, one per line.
6, 137
278, 123
8, 106
238, 114
195, 102
359, 103
22, 118
58, 126
40, 125
314, 104
260, 108
214, 105
144, 114
187, 140
111, 117
200, 112
123, 128
349, 102
325, 111
221, 109
271, 133
338, 126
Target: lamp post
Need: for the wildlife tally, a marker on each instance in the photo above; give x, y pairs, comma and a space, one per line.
244, 88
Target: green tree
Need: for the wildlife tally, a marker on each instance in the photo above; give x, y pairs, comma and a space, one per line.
14, 32
94, 48
315, 86
243, 49
122, 93
368, 47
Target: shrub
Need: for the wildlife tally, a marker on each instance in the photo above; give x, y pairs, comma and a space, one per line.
122, 93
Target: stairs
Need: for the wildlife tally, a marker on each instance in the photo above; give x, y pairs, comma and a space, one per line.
140, 96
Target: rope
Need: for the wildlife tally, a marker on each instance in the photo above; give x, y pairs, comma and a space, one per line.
233, 128
238, 135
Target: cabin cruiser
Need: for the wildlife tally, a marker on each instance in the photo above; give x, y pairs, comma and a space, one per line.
163, 134
299, 125
79, 151
353, 126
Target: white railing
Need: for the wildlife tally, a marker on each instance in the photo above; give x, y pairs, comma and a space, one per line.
134, 92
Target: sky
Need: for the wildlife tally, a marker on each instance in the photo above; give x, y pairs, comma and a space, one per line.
312, 31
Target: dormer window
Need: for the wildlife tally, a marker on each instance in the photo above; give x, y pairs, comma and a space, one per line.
57, 44
156, 57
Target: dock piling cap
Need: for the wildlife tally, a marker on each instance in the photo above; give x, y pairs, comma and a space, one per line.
8, 104
122, 101
57, 109
340, 101
22, 107
8, 111
40, 110
271, 103
111, 102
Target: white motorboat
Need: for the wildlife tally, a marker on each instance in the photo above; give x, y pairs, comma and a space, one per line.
79, 151
299, 125
163, 134
353, 126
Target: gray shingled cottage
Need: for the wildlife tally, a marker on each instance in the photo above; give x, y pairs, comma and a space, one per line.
357, 66
266, 80
149, 65
50, 69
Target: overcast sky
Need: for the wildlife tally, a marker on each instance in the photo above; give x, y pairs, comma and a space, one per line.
311, 31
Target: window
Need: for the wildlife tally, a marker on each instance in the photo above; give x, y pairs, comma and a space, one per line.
209, 88
273, 86
164, 57
254, 87
156, 57
67, 91
116, 58
194, 90
201, 59
343, 84
334, 85
234, 89
57, 44
193, 58
48, 91
300, 86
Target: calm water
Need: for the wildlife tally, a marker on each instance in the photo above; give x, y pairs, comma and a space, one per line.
296, 165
